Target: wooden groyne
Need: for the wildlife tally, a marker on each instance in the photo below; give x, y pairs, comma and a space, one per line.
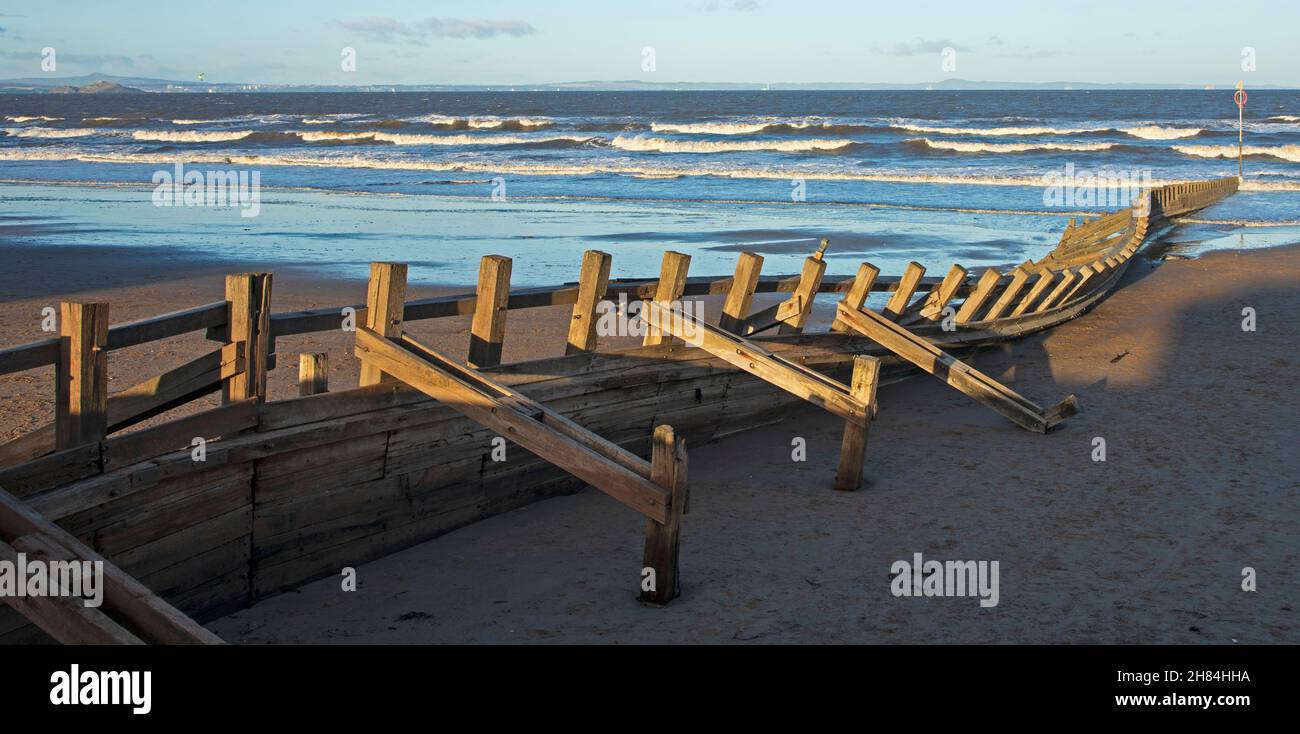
288, 491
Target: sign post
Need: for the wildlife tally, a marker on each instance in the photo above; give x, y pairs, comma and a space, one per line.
1240, 98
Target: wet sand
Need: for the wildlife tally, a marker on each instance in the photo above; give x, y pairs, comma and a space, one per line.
1200, 481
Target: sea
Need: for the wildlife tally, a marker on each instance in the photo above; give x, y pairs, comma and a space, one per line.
440, 179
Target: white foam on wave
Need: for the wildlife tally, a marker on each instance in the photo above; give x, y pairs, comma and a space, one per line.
710, 128
318, 121
190, 136
1284, 152
1160, 132
644, 144
1285, 118
32, 118
999, 131
484, 123
977, 147
316, 136
46, 132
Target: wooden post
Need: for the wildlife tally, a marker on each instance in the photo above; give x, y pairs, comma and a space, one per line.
313, 373
593, 281
1068, 276
385, 302
801, 303
1019, 277
488, 331
741, 293
983, 289
866, 376
912, 275
856, 296
249, 296
672, 281
668, 470
81, 379
1045, 278
944, 292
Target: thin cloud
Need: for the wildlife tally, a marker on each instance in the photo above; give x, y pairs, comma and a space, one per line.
737, 6
420, 32
920, 46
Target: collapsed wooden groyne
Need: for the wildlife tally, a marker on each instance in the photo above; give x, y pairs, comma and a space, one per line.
289, 491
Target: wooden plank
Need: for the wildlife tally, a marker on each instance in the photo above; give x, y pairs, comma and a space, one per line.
65, 618
508, 420
81, 380
488, 331
52, 470
313, 373
906, 287
207, 316
178, 434
856, 295
1087, 274
672, 279
662, 545
1019, 277
942, 293
385, 304
954, 372
153, 619
740, 296
853, 447
593, 281
29, 356
1040, 286
793, 314
795, 379
1068, 276
975, 301
249, 295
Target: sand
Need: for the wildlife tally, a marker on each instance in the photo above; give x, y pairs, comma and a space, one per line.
1200, 481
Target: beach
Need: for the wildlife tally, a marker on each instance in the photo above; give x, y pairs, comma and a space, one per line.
1199, 482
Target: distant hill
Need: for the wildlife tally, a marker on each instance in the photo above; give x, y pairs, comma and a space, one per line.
100, 87
37, 85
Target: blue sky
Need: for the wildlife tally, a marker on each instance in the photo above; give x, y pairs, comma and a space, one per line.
516, 42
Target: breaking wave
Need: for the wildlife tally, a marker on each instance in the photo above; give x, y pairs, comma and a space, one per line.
1283, 152
999, 131
46, 132
643, 144
33, 118
977, 147
1159, 132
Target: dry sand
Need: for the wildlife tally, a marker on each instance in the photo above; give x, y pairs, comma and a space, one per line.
1201, 477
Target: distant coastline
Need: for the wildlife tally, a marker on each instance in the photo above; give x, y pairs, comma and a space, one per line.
40, 85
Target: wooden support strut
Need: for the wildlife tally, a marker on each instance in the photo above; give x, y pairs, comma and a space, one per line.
942, 293
956, 373
1019, 277
313, 373
488, 331
793, 314
385, 300
741, 293
856, 295
660, 576
853, 447
81, 381
672, 280
912, 275
249, 296
593, 281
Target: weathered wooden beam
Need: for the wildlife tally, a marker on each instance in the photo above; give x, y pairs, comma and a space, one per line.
662, 544
672, 279
593, 281
793, 314
385, 303
313, 373
1068, 276
65, 618
906, 287
956, 373
142, 611
249, 296
740, 296
941, 294
1019, 277
487, 332
794, 378
81, 381
856, 295
975, 301
515, 419
853, 447
1036, 291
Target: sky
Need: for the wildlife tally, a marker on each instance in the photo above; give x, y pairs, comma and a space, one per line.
505, 42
